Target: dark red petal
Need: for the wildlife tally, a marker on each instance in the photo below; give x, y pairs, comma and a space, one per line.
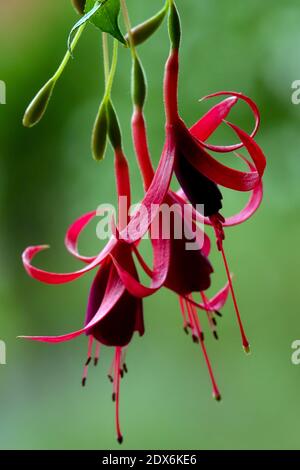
97, 291
246, 213
191, 213
139, 319
117, 328
198, 189
189, 269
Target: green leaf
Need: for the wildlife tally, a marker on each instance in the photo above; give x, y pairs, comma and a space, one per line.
106, 17
95, 7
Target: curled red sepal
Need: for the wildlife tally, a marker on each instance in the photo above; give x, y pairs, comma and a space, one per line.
208, 123
219, 300
202, 135
114, 291
253, 148
216, 171
73, 233
60, 278
215, 303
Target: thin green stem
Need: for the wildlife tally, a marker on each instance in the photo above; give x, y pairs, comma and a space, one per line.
105, 57
127, 23
112, 72
68, 54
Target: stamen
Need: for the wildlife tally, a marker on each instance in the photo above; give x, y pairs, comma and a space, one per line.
216, 393
217, 221
245, 341
184, 315
89, 356
211, 320
117, 361
124, 369
195, 336
97, 353
110, 374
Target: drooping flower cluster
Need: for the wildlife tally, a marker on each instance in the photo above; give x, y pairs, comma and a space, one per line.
115, 303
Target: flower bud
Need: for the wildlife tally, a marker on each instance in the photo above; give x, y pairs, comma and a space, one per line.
139, 84
79, 6
143, 31
99, 135
114, 131
38, 105
174, 27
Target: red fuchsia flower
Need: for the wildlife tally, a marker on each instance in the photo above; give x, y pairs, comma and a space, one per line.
115, 309
113, 313
197, 171
189, 271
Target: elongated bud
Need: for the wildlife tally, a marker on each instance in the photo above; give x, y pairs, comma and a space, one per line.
144, 31
38, 105
139, 84
99, 135
79, 6
174, 27
114, 131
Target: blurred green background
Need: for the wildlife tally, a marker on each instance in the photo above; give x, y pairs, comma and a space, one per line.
48, 178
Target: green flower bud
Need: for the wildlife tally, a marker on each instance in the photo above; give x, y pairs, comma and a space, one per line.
139, 84
114, 131
99, 135
79, 6
174, 27
143, 31
38, 105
